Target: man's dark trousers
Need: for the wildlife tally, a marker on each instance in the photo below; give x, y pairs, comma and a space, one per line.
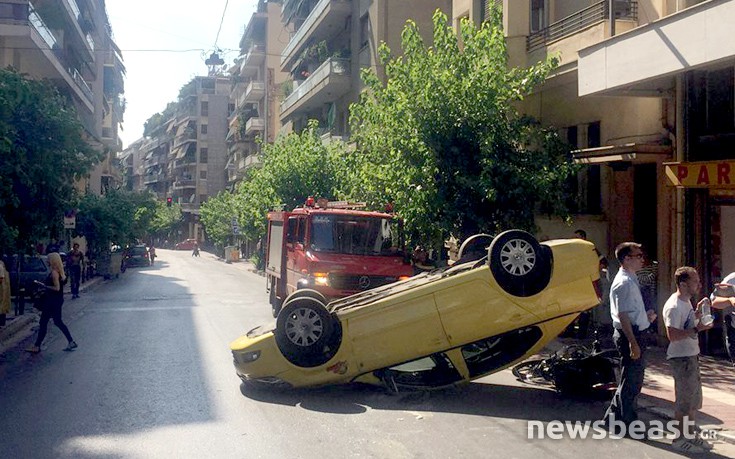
75, 273
625, 400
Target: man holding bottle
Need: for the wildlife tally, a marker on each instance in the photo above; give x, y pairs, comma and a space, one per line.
683, 324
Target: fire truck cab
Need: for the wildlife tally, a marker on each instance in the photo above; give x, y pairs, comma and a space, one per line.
334, 248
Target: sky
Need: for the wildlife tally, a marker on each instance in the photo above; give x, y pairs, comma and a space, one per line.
164, 44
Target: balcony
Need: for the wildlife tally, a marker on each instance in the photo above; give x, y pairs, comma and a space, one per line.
570, 25
154, 178
181, 184
78, 21
254, 125
329, 82
254, 92
327, 17
644, 61
25, 29
252, 61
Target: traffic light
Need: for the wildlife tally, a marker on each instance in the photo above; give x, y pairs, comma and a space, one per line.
169, 201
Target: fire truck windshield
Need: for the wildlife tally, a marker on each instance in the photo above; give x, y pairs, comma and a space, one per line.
353, 235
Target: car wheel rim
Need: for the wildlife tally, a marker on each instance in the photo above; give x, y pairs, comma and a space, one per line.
304, 327
517, 257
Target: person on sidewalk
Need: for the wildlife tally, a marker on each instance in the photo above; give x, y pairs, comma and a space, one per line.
74, 264
723, 299
53, 299
4, 293
629, 319
682, 328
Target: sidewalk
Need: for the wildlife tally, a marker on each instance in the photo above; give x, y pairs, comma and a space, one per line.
18, 327
657, 397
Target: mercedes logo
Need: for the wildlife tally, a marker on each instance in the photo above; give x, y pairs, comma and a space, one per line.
364, 282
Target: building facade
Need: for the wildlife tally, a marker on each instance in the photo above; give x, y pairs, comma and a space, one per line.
256, 86
69, 42
644, 94
330, 42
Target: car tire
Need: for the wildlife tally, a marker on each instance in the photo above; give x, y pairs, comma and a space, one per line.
520, 265
474, 244
306, 333
306, 293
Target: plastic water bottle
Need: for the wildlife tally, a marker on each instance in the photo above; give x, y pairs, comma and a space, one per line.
707, 312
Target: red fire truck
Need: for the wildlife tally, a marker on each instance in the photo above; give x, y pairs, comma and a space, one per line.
334, 248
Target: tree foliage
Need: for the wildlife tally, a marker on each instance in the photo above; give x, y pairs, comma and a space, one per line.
442, 140
42, 155
119, 217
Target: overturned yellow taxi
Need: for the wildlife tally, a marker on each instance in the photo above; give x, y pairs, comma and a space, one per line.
433, 330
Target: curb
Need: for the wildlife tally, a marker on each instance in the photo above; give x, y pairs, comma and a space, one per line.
725, 435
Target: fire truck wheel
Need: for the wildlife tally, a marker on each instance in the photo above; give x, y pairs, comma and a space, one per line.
306, 334
474, 247
520, 265
276, 303
306, 293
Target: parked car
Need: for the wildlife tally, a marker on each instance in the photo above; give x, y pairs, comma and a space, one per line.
186, 245
137, 255
24, 274
440, 328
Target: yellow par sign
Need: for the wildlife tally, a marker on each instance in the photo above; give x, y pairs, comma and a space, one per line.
710, 174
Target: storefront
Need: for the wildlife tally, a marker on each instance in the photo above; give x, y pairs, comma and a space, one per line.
709, 223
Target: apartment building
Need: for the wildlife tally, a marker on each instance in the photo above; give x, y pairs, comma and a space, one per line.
330, 41
255, 96
645, 96
69, 42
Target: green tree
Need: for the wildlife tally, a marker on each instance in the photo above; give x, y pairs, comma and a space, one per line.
165, 221
216, 216
106, 220
442, 140
42, 155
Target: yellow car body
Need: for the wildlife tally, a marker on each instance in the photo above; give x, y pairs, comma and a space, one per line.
435, 329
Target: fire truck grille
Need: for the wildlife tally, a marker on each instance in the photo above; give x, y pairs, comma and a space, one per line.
358, 283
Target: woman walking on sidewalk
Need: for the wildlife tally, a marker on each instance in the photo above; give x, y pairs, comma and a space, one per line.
52, 300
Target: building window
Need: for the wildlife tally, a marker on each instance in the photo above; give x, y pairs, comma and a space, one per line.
203, 155
720, 101
203, 175
538, 15
204, 109
364, 30
593, 135
203, 128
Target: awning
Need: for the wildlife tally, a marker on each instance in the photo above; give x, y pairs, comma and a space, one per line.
706, 174
631, 152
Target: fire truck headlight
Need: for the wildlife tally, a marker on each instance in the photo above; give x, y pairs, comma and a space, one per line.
321, 278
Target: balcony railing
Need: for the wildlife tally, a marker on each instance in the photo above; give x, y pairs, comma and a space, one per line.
331, 66
40, 26
254, 125
185, 183
593, 14
255, 91
308, 26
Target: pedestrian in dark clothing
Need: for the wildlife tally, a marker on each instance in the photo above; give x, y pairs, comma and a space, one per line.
630, 319
53, 299
74, 264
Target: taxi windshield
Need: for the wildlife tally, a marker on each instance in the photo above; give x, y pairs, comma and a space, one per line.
353, 235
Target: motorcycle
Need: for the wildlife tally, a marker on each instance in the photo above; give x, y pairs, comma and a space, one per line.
574, 369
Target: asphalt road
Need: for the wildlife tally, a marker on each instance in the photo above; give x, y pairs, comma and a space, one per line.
153, 377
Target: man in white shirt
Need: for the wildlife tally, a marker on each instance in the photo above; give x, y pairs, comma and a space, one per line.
630, 319
683, 327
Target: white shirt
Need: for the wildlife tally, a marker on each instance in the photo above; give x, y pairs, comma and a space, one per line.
680, 314
625, 296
